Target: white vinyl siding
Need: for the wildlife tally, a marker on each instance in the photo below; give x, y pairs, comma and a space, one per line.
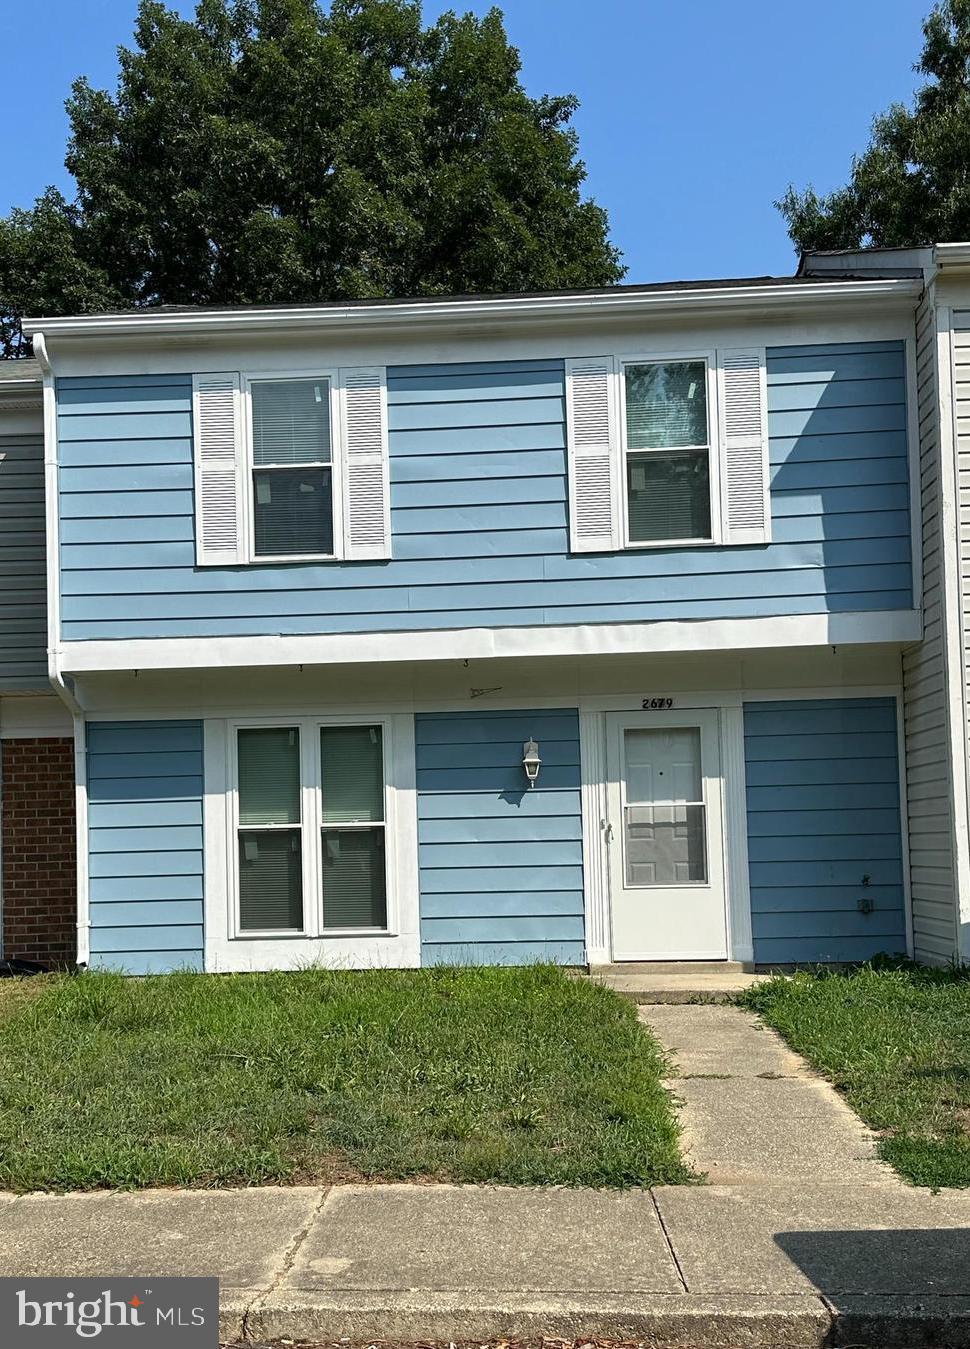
929, 786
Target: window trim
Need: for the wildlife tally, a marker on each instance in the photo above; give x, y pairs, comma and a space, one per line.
247, 379
714, 451
312, 824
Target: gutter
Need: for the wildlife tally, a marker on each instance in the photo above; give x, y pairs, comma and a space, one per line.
700, 299
63, 685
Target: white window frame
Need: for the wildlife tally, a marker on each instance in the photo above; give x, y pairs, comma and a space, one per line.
714, 450
312, 824
248, 379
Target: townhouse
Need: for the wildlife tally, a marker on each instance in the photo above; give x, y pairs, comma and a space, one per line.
608, 626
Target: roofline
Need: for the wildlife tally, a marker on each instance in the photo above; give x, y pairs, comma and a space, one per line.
952, 255
693, 298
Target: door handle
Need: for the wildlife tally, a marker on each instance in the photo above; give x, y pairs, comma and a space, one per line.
607, 827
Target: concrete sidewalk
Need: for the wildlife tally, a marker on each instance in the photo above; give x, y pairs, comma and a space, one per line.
751, 1265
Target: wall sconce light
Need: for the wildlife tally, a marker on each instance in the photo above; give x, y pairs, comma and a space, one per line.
531, 761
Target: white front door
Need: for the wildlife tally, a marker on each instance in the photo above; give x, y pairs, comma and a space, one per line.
665, 836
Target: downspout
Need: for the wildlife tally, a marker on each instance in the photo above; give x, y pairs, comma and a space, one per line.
63, 685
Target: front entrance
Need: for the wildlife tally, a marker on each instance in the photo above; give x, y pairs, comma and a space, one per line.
665, 836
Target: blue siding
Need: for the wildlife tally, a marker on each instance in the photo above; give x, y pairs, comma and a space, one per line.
501, 865
823, 811
145, 845
479, 512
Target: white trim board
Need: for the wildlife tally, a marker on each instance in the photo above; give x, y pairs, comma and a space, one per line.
692, 297
554, 339
34, 718
733, 634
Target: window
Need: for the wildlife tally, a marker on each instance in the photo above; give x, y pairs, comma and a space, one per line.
667, 448
270, 831
352, 852
311, 831
292, 468
664, 831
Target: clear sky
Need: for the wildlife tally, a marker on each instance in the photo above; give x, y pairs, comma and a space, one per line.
695, 115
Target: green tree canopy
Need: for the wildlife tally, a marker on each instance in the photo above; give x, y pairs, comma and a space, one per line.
271, 151
912, 184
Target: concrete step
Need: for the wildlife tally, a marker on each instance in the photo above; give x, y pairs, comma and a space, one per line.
670, 967
696, 985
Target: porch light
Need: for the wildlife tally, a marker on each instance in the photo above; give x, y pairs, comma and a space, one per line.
531, 761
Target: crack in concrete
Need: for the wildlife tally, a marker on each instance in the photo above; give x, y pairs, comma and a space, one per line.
670, 1244
286, 1264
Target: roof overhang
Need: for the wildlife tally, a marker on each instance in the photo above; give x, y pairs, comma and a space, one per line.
953, 257
691, 300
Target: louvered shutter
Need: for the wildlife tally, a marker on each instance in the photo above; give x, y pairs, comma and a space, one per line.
591, 420
743, 417
217, 432
367, 496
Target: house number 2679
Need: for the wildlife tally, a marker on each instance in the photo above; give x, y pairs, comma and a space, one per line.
657, 704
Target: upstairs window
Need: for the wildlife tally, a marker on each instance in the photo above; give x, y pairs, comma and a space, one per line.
668, 451
290, 468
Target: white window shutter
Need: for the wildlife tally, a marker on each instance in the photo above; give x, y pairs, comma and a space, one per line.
217, 435
743, 416
366, 468
593, 440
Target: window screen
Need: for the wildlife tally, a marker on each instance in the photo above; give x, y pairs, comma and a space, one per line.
353, 842
270, 835
292, 468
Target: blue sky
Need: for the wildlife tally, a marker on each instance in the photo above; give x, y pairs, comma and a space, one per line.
694, 118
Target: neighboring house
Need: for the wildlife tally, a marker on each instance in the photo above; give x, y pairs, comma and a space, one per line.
323, 577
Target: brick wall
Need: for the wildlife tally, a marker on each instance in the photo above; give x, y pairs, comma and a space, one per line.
37, 836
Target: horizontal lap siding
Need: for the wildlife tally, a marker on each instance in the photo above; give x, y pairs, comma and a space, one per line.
145, 845
479, 512
823, 811
929, 783
501, 865
23, 575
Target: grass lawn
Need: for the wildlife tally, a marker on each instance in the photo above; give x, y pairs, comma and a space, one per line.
519, 1076
896, 1042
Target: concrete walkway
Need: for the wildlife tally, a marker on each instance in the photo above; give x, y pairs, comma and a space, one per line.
805, 1239
752, 1111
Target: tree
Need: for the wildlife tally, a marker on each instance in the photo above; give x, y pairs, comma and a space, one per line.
270, 151
912, 184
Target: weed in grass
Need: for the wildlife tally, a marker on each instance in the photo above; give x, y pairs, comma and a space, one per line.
895, 1039
518, 1076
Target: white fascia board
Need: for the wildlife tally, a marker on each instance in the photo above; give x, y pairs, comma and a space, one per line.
699, 298
955, 254
733, 634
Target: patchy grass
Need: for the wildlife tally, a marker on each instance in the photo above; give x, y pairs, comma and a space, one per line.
895, 1040
18, 991
518, 1076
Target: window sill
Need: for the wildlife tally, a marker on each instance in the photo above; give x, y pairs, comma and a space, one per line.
258, 560
336, 932
631, 546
